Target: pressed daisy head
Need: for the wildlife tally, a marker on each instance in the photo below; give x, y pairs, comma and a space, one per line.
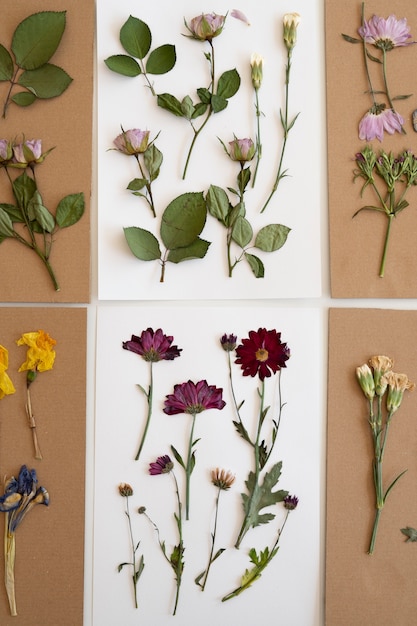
386, 33
228, 342
193, 398
125, 490
223, 479
153, 346
262, 353
290, 502
162, 465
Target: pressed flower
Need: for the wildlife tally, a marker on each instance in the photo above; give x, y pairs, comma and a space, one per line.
223, 479
239, 15
192, 398
20, 496
6, 151
256, 64
28, 153
125, 490
206, 26
6, 385
162, 465
228, 342
366, 380
133, 141
380, 364
377, 120
386, 33
290, 25
241, 150
152, 346
397, 384
262, 353
290, 502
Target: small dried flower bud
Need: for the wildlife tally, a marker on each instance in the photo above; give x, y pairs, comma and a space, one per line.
256, 64
380, 365
206, 26
366, 380
132, 141
397, 384
141, 510
290, 502
228, 342
28, 153
125, 490
6, 151
222, 479
242, 150
290, 24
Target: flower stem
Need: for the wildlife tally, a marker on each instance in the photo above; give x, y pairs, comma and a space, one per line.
132, 544
258, 138
384, 252
149, 396
32, 426
374, 531
213, 539
9, 561
189, 469
384, 72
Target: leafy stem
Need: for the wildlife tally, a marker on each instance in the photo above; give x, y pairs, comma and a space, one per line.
149, 400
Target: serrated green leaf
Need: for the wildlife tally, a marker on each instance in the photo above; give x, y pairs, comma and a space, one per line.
136, 184
23, 189
24, 98
37, 37
218, 103
153, 160
228, 84
237, 211
40, 213
242, 232
196, 250
169, 103
70, 210
124, 65
48, 81
183, 220
271, 237
142, 243
204, 94
256, 265
199, 109
187, 107
135, 37
6, 225
161, 60
13, 212
260, 496
6, 64
218, 203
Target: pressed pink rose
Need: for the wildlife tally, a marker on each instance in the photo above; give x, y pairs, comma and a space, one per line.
206, 26
133, 141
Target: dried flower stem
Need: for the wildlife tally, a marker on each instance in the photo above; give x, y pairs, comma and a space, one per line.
212, 556
258, 137
9, 562
149, 399
32, 425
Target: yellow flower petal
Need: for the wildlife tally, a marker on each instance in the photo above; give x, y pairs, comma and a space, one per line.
40, 355
6, 385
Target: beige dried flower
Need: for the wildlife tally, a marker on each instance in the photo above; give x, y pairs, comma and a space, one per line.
223, 479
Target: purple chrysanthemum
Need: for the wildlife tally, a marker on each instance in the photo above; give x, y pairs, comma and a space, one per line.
376, 121
162, 465
153, 346
262, 353
386, 34
193, 398
290, 502
228, 342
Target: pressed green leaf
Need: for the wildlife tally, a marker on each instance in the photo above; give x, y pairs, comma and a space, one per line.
37, 37
14, 212
196, 250
153, 160
48, 81
218, 103
122, 64
256, 265
271, 237
170, 103
228, 84
261, 495
183, 220
70, 210
237, 211
23, 188
242, 232
6, 225
142, 243
218, 203
199, 109
6, 64
44, 218
177, 456
136, 184
24, 98
204, 94
161, 60
187, 107
135, 37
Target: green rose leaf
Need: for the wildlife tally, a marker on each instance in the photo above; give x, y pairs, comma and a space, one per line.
183, 220
136, 184
37, 211
204, 95
142, 243
135, 37
161, 60
37, 37
228, 84
187, 107
23, 188
218, 103
196, 250
122, 64
256, 265
24, 98
218, 203
6, 64
13, 212
153, 160
170, 103
48, 81
70, 210
199, 109
242, 231
6, 225
236, 212
271, 237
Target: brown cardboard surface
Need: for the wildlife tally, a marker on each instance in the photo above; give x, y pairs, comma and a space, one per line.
361, 588
50, 540
66, 123
356, 244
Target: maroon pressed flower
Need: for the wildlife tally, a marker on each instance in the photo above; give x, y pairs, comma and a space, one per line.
228, 342
290, 502
262, 353
162, 465
153, 346
193, 398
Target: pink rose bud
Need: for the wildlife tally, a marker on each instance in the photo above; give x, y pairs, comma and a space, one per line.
242, 150
132, 141
206, 26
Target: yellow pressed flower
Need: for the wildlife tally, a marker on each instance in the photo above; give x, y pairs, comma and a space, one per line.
40, 355
6, 385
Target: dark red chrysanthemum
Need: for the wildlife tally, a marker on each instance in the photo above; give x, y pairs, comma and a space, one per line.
193, 398
262, 353
290, 502
162, 465
153, 346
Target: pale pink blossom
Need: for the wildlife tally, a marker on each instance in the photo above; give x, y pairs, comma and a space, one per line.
373, 124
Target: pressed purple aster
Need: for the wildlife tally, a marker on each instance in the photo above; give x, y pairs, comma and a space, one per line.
153, 346
386, 33
377, 120
262, 353
290, 502
228, 342
193, 398
162, 465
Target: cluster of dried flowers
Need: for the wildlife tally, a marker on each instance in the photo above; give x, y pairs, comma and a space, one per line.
262, 356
